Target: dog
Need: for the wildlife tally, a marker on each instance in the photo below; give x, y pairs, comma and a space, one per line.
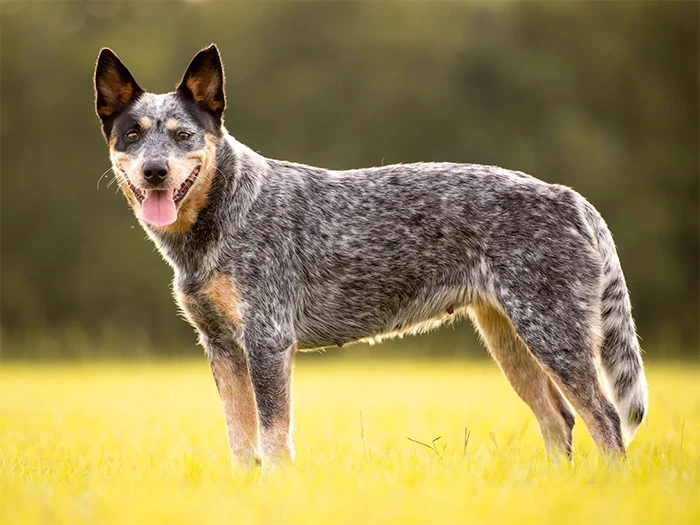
272, 257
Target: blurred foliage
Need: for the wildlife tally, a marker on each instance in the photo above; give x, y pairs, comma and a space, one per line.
599, 96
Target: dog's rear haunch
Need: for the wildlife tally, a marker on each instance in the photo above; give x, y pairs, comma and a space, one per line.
271, 257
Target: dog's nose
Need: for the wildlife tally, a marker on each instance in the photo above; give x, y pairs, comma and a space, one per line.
155, 171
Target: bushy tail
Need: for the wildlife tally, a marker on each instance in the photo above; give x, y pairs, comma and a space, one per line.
620, 357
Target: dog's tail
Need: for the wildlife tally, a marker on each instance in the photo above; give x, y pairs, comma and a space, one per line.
620, 355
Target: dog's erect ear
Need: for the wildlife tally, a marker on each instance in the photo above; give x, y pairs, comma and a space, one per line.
114, 85
203, 82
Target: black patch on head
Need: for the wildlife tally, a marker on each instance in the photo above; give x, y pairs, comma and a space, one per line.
190, 118
115, 89
201, 117
119, 127
203, 83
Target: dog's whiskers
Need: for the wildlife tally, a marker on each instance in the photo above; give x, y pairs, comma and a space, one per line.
102, 176
114, 179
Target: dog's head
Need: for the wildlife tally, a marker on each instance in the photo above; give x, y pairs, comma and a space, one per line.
163, 147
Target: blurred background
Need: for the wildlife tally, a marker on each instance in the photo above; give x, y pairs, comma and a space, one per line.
600, 96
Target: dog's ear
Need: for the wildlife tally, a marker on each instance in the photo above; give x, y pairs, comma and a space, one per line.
114, 86
203, 82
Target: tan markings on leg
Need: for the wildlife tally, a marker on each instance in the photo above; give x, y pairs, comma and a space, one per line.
241, 416
196, 198
221, 291
276, 441
171, 124
183, 302
525, 375
595, 408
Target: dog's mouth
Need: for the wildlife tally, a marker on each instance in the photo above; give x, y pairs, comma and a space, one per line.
178, 195
159, 206
185, 186
137, 192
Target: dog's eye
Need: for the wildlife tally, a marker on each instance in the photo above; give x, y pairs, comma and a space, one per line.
183, 135
132, 135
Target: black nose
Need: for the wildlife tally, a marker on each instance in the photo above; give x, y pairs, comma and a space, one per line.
155, 171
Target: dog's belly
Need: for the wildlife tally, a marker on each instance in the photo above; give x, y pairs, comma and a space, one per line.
423, 313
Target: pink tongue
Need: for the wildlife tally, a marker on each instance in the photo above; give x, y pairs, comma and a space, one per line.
158, 208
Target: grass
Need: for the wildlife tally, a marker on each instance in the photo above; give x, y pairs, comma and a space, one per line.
119, 443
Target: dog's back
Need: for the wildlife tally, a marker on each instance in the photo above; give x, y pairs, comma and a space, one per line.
384, 250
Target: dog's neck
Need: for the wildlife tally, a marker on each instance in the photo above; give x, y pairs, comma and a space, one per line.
236, 180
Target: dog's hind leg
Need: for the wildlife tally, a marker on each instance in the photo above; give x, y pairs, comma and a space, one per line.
528, 379
561, 331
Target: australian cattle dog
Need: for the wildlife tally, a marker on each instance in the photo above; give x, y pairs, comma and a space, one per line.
273, 257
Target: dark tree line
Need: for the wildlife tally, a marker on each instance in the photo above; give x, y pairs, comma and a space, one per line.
599, 96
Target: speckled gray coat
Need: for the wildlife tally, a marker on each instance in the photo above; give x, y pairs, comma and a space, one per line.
314, 258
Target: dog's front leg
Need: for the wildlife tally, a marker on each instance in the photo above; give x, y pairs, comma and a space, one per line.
232, 379
270, 361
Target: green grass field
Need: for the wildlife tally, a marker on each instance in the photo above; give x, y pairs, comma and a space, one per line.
145, 443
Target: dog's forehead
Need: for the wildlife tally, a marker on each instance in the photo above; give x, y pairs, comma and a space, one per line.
161, 108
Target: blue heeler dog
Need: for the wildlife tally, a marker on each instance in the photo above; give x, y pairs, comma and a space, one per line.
271, 257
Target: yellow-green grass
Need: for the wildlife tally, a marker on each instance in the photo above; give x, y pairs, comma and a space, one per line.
119, 443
